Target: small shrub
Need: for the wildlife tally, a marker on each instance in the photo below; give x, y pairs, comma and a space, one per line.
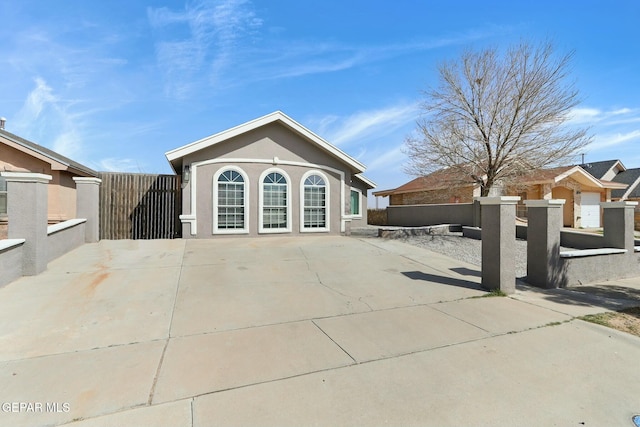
377, 216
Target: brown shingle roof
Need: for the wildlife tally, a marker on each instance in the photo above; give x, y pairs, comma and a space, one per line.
443, 178
456, 177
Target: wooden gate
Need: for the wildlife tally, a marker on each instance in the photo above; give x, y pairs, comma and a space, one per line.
139, 206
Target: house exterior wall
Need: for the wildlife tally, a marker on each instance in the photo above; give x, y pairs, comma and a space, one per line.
272, 147
567, 189
360, 220
568, 208
434, 197
62, 197
62, 190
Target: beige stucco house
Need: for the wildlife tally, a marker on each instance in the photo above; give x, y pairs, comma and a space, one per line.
269, 176
582, 191
20, 155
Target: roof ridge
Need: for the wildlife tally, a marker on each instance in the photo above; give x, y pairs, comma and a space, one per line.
47, 152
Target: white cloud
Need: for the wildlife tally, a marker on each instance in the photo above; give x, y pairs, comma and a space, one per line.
612, 140
36, 101
592, 116
114, 164
45, 118
69, 144
213, 32
378, 122
389, 160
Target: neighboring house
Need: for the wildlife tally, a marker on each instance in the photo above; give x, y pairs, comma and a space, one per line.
443, 186
582, 192
269, 175
614, 170
19, 155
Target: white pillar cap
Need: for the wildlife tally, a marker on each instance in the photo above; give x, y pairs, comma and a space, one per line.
545, 203
26, 177
499, 200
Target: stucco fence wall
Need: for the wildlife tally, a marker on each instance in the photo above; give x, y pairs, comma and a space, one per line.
421, 215
64, 237
589, 269
570, 239
61, 238
10, 260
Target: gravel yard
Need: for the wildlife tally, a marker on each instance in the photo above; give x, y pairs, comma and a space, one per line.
465, 249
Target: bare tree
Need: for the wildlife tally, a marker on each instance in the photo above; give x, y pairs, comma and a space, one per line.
496, 116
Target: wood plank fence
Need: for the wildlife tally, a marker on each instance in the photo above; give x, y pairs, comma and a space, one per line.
139, 206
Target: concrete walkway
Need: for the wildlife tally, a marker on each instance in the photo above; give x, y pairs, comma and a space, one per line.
304, 331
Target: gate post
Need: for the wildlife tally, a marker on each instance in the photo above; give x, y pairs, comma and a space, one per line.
543, 243
618, 225
88, 206
499, 243
27, 209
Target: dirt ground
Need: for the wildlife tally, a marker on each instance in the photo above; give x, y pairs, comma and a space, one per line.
627, 320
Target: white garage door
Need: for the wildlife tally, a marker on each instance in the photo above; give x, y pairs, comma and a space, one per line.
590, 209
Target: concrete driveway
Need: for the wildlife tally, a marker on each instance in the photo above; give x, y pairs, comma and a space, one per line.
302, 331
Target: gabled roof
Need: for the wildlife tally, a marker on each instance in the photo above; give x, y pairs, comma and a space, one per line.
366, 180
450, 177
600, 169
175, 156
440, 179
631, 177
555, 175
57, 161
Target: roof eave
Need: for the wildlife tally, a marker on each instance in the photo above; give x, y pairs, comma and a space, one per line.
276, 116
366, 180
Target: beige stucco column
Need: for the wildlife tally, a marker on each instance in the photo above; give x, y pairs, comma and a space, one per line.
543, 243
499, 243
618, 225
88, 206
27, 195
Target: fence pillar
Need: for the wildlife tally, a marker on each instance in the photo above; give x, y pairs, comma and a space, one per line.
544, 267
499, 243
27, 199
618, 225
88, 206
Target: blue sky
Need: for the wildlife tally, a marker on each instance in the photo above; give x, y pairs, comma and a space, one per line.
115, 84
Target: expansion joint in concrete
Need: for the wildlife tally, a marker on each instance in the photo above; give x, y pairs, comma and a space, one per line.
332, 340
157, 374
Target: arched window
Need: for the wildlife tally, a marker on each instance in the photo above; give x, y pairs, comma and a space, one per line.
275, 203
314, 211
230, 198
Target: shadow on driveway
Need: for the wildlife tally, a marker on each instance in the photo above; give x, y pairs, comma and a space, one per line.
445, 280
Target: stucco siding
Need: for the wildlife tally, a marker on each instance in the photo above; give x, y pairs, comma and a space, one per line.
360, 221
61, 200
15, 160
62, 197
272, 147
205, 193
272, 140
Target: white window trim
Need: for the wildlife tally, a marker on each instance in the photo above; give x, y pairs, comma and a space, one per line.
191, 217
261, 228
327, 203
217, 230
359, 215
